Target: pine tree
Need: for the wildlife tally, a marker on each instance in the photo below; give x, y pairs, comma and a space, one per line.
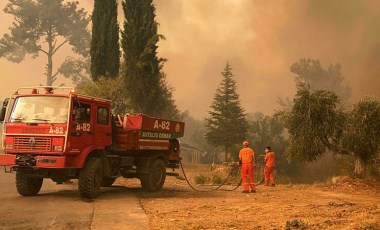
105, 49
226, 124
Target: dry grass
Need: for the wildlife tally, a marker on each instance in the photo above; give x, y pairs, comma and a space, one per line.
343, 203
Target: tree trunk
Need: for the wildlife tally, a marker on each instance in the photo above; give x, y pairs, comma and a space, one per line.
49, 71
226, 153
359, 168
49, 65
214, 156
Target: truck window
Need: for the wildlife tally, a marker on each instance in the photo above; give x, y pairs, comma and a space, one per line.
40, 109
81, 113
103, 116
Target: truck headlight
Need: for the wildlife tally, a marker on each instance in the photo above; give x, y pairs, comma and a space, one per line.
57, 148
8, 146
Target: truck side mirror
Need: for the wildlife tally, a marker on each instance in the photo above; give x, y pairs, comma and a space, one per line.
3, 110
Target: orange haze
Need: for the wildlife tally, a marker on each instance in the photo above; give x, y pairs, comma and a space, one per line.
260, 39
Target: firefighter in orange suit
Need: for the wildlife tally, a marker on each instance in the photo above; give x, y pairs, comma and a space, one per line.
270, 163
247, 161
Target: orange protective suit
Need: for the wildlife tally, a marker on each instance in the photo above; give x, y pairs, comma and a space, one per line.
247, 156
270, 163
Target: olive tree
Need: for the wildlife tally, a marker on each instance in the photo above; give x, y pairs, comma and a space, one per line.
314, 124
362, 132
108, 88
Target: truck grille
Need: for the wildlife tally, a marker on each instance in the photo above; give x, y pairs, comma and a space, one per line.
32, 143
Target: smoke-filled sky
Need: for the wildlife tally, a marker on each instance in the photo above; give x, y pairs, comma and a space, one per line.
260, 39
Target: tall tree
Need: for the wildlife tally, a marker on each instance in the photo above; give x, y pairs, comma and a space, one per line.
226, 124
45, 26
310, 72
144, 80
105, 49
362, 132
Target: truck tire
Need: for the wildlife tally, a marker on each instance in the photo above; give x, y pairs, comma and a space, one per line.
26, 185
108, 181
90, 178
155, 179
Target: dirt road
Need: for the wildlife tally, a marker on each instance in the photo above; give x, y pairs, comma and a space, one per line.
60, 207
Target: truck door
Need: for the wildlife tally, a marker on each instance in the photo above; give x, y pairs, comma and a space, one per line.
102, 128
81, 128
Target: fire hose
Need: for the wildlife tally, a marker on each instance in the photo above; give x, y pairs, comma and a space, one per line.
232, 171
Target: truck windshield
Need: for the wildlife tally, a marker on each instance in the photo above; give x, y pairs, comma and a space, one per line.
40, 109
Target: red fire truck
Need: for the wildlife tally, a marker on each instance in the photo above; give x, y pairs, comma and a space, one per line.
52, 132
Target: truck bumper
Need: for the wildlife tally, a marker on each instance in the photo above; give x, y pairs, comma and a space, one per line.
7, 160
50, 162
40, 161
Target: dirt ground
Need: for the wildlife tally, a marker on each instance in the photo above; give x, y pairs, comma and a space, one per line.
342, 203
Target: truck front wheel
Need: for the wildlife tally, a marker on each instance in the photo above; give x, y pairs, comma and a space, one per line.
90, 178
26, 185
155, 179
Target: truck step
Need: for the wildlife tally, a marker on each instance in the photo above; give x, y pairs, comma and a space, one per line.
172, 174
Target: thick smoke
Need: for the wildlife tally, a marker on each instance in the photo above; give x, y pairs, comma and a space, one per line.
334, 31
260, 39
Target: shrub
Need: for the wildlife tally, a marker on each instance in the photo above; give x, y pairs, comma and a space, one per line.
370, 226
200, 179
295, 224
216, 179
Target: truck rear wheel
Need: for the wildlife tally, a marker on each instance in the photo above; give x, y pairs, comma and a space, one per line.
26, 185
155, 179
90, 178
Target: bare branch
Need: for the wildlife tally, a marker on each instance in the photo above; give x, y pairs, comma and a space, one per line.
55, 50
54, 75
43, 51
55, 43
